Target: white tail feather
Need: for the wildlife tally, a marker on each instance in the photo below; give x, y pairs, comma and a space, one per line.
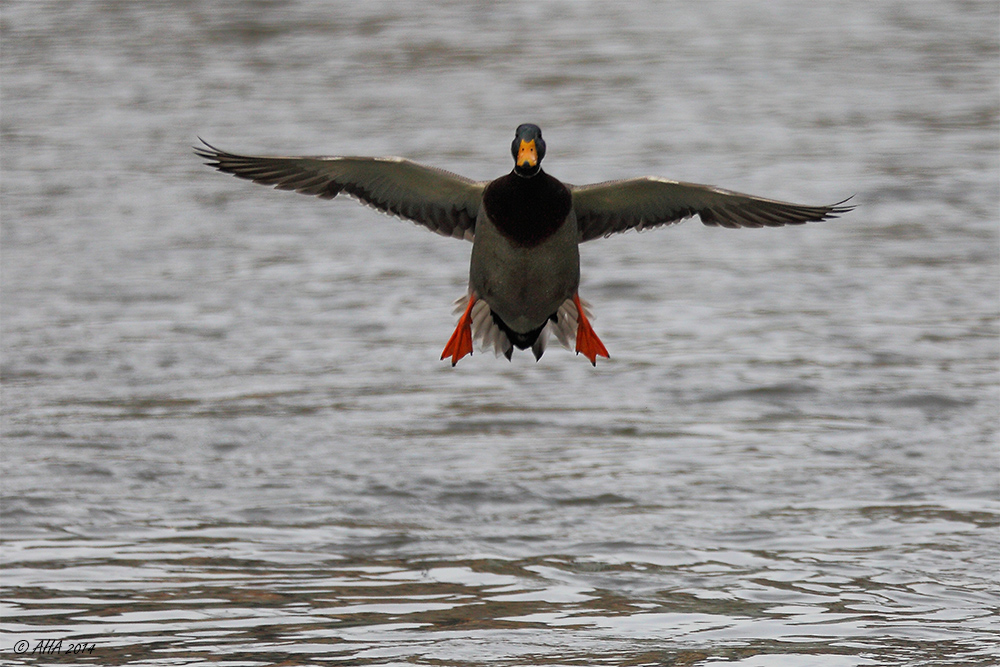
489, 336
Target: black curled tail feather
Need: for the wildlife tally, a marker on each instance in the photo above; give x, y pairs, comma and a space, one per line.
521, 340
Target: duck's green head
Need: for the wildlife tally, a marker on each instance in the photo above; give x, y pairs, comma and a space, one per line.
528, 150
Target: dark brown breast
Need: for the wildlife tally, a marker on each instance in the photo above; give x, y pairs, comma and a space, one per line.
527, 210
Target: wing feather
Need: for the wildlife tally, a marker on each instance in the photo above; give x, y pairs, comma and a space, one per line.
603, 209
437, 199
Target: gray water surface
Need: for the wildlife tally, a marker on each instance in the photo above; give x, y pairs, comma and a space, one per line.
227, 435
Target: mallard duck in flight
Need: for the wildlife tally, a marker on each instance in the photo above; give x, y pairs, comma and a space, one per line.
525, 228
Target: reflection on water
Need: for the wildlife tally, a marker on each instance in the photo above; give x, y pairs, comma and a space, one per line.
268, 595
226, 433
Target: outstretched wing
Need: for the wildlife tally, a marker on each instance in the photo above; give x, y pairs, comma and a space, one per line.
439, 200
603, 209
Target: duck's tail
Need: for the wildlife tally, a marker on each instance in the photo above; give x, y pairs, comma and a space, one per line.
570, 324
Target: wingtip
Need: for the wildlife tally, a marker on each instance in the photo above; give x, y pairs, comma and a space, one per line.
838, 207
211, 153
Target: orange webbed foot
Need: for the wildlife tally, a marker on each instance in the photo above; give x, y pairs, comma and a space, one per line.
460, 343
587, 341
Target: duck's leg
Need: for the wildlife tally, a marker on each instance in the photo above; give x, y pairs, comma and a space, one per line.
460, 343
586, 338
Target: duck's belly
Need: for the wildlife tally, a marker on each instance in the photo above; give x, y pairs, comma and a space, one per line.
524, 286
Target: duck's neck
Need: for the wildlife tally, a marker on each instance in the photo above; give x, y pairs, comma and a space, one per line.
527, 210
